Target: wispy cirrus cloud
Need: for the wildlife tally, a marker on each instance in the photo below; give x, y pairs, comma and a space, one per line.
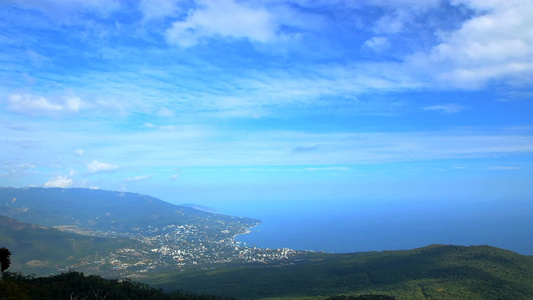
377, 43
445, 108
217, 148
504, 168
69, 12
37, 105
210, 20
311, 84
246, 92
159, 9
138, 178
306, 148
292, 169
98, 167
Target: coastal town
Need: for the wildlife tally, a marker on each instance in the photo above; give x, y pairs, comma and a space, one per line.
179, 247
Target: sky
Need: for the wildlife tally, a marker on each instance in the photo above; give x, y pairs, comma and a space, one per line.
219, 101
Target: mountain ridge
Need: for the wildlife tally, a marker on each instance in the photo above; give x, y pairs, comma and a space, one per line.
171, 237
97, 209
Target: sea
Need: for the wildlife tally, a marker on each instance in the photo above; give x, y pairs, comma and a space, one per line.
356, 226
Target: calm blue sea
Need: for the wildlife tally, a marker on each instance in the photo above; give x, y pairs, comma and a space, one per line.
353, 226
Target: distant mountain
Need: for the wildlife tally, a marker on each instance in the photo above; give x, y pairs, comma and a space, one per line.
200, 207
99, 209
116, 234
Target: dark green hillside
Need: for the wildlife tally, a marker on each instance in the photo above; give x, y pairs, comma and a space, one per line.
436, 272
99, 209
74, 285
42, 250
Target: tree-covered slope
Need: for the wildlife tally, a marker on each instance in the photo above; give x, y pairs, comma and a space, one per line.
41, 250
436, 272
75, 285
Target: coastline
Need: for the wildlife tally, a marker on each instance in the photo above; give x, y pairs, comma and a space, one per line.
380, 228
247, 231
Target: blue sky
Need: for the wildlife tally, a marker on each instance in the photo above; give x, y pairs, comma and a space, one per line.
212, 101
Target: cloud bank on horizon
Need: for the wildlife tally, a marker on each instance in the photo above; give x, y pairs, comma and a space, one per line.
155, 95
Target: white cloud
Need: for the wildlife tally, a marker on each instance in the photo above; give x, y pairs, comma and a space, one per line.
377, 43
445, 108
31, 104
161, 127
305, 149
327, 169
138, 178
27, 166
168, 127
399, 14
73, 103
59, 181
79, 152
315, 169
165, 112
36, 58
37, 105
496, 44
392, 23
159, 9
69, 11
223, 19
174, 177
504, 168
252, 148
96, 167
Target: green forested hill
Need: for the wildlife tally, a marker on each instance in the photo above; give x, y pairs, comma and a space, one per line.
433, 272
75, 285
42, 250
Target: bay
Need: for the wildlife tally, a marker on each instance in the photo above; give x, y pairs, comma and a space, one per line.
355, 226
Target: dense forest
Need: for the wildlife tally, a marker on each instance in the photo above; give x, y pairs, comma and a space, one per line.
433, 272
75, 285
